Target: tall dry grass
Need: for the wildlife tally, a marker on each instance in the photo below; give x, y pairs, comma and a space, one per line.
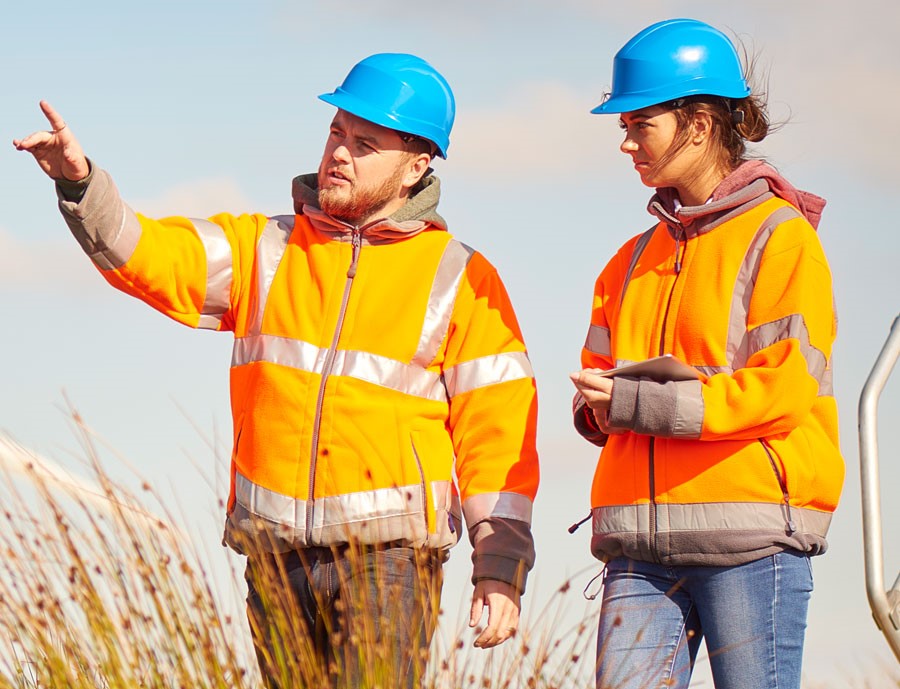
98, 590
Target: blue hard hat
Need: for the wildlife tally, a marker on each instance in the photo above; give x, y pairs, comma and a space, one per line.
401, 92
672, 59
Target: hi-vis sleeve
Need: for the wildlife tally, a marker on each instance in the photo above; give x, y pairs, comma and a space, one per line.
597, 349
493, 424
188, 269
791, 328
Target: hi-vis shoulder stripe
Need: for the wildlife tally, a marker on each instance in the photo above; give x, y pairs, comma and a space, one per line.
219, 273
449, 273
269, 250
738, 345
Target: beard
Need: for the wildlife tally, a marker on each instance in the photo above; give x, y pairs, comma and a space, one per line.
355, 204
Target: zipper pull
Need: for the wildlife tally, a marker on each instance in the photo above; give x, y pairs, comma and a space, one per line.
678, 240
356, 241
574, 527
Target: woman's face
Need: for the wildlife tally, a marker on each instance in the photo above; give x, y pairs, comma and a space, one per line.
649, 134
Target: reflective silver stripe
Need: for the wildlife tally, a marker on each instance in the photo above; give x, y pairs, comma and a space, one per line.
487, 370
711, 517
598, 341
790, 327
447, 277
266, 503
639, 247
219, 273
737, 345
378, 370
117, 252
283, 351
505, 505
269, 250
376, 516
826, 383
689, 409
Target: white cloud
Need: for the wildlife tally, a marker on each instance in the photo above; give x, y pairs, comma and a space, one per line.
59, 265
45, 266
539, 128
198, 199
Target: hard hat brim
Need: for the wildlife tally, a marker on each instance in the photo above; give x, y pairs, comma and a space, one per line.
349, 103
636, 101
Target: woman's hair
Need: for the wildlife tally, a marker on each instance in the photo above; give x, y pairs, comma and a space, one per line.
735, 121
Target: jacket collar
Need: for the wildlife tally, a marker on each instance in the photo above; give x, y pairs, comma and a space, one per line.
751, 183
416, 215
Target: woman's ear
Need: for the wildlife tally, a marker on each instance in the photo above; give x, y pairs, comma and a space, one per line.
701, 127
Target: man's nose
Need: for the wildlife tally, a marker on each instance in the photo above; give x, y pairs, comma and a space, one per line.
341, 154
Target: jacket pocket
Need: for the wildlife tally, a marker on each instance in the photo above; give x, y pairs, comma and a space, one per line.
781, 478
427, 499
232, 497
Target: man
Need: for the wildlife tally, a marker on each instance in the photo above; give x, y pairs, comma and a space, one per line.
375, 358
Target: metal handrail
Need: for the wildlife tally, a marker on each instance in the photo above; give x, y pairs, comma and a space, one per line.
885, 605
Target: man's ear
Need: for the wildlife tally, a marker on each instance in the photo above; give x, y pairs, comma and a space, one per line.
416, 168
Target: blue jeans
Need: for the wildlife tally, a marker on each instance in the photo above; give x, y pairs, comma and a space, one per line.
341, 617
753, 617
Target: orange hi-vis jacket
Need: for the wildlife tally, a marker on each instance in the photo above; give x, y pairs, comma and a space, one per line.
744, 461
370, 366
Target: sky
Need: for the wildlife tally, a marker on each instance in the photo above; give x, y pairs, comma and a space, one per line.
198, 107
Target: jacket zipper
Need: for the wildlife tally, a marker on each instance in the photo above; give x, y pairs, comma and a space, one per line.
782, 483
653, 518
356, 242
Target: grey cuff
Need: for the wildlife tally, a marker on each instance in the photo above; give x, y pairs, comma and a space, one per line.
69, 190
662, 409
107, 230
503, 550
623, 403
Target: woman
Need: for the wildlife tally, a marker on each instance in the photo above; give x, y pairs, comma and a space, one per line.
712, 491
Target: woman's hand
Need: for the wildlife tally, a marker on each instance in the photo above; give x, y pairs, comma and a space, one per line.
597, 392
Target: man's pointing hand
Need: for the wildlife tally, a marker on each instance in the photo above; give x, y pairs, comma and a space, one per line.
57, 151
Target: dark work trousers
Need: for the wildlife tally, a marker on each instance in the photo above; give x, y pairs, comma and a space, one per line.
344, 617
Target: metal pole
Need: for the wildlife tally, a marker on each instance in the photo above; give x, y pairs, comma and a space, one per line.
885, 605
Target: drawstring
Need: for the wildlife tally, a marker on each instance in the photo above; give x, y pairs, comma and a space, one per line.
574, 527
599, 575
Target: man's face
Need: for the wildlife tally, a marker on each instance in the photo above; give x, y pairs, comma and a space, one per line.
364, 170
